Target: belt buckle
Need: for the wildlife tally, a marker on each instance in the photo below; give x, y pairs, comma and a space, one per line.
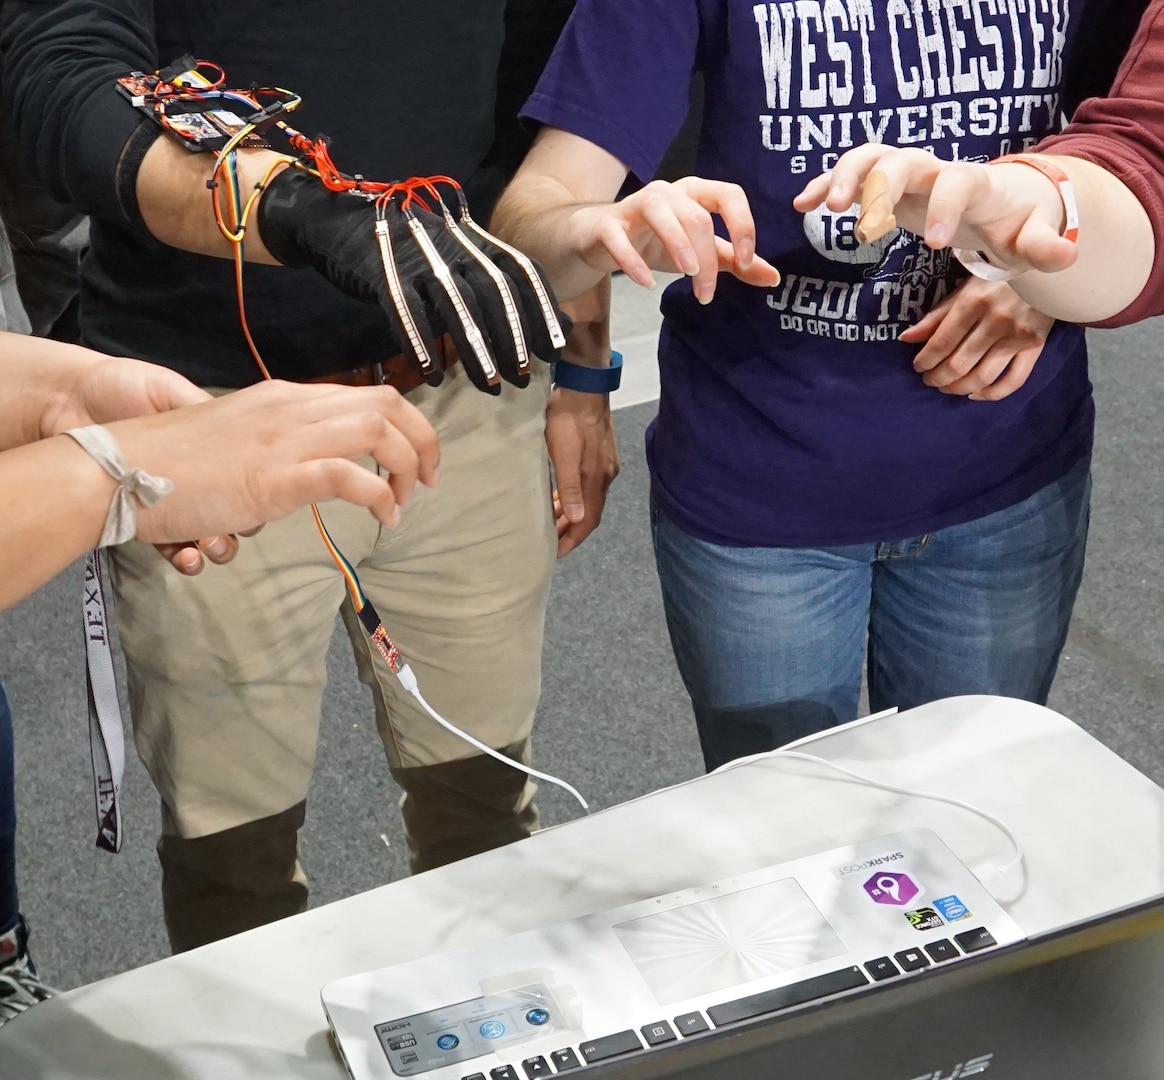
378, 378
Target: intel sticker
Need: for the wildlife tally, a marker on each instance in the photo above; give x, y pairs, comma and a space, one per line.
952, 908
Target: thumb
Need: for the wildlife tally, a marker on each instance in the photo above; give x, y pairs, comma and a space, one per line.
169, 390
568, 474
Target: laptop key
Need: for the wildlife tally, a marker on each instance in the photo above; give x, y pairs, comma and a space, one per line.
504, 1072
941, 951
691, 1024
565, 1059
973, 940
784, 997
536, 1068
658, 1033
882, 968
610, 1046
911, 960
475, 1076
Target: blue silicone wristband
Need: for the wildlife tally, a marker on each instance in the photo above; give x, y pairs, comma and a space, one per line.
589, 380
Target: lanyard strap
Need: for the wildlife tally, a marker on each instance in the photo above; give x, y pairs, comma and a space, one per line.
106, 738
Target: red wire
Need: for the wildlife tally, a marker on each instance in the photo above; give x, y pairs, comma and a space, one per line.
214, 67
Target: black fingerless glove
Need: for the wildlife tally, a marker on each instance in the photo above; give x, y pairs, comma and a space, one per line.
431, 275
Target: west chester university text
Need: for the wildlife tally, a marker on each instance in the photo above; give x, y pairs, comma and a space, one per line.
821, 85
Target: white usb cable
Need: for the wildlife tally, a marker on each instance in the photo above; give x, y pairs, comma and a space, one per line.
986, 873
408, 681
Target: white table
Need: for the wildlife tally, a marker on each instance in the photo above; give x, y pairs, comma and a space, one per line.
1092, 828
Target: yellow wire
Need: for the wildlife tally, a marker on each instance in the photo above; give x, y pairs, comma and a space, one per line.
235, 236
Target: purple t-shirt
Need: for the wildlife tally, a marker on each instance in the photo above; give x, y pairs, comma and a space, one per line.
792, 416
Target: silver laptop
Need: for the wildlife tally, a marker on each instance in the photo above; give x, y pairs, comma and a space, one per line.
663, 970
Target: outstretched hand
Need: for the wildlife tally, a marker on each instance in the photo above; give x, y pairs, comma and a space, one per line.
264, 452
669, 227
1008, 210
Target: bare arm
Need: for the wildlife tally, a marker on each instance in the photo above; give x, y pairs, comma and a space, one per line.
235, 462
559, 209
1114, 253
50, 387
561, 178
175, 203
56, 498
1012, 213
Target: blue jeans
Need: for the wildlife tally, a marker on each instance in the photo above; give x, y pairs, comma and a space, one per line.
769, 641
8, 907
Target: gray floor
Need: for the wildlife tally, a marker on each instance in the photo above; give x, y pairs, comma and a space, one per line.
614, 718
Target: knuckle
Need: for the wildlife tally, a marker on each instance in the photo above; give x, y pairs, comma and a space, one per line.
696, 217
332, 471
391, 398
372, 426
612, 232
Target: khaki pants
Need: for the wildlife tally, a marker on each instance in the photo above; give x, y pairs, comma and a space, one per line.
227, 670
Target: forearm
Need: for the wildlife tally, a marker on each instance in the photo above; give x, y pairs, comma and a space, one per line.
40, 539
1123, 134
39, 379
176, 205
86, 140
1116, 250
538, 215
550, 208
589, 341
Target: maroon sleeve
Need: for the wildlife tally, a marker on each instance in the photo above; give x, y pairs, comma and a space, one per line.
1124, 134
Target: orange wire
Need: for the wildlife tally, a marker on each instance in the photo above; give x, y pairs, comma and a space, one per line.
236, 237
317, 153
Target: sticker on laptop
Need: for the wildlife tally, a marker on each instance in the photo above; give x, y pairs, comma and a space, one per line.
924, 919
895, 889
952, 909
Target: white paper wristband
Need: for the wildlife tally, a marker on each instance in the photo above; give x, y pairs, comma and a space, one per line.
135, 486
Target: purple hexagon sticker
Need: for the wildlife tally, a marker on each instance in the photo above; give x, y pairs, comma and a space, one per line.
896, 889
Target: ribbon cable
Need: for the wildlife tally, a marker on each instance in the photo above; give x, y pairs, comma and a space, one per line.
106, 730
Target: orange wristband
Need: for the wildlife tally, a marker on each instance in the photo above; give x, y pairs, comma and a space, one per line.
1062, 183
977, 262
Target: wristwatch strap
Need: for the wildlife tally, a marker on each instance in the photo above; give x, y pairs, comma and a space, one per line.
589, 380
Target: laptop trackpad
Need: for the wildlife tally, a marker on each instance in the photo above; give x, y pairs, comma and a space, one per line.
695, 950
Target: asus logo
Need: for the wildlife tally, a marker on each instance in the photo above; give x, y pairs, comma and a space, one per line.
972, 1068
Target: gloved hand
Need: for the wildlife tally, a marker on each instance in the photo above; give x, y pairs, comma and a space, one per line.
429, 276
546, 326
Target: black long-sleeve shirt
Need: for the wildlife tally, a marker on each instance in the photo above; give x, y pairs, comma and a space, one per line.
402, 89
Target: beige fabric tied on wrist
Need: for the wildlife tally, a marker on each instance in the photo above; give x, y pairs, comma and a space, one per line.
135, 485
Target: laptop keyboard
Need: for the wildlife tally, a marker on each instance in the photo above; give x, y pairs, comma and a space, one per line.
747, 1008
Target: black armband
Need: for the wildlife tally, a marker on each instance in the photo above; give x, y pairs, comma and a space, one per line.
128, 166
